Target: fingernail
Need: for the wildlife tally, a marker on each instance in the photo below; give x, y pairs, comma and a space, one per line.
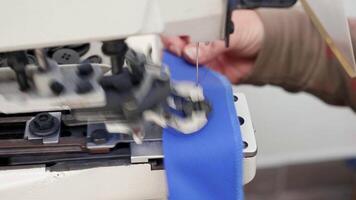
190, 52
174, 49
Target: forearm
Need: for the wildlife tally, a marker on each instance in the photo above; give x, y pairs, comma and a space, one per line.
295, 57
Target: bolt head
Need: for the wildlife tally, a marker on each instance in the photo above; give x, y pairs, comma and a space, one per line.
85, 70
84, 87
44, 121
100, 136
56, 87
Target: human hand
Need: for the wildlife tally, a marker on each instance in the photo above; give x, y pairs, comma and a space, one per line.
235, 62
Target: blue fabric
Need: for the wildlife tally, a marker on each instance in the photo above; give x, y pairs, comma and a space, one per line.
207, 164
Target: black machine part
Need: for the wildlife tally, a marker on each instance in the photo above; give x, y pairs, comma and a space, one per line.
250, 4
44, 124
18, 61
116, 50
264, 3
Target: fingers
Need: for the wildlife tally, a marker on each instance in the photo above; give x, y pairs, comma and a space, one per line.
246, 41
238, 72
248, 37
207, 52
214, 55
235, 71
175, 44
181, 46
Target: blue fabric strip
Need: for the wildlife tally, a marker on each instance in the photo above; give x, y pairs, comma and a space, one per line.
207, 164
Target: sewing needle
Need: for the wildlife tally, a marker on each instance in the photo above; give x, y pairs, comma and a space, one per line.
197, 64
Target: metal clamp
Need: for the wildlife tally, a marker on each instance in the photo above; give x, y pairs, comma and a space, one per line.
45, 127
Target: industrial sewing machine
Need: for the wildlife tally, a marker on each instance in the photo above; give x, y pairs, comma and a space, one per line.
82, 86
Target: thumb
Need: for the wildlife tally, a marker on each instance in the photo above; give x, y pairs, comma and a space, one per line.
207, 52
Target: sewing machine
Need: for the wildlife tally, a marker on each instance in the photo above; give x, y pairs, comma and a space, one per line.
84, 94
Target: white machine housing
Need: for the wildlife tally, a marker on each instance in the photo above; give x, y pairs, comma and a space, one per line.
46, 23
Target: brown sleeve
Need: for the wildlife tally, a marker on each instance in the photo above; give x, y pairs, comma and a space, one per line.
295, 57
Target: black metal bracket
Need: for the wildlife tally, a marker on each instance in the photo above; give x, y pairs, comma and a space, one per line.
250, 4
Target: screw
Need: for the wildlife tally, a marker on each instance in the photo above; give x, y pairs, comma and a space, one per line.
44, 124
235, 98
241, 120
56, 87
85, 70
43, 121
84, 86
245, 144
99, 136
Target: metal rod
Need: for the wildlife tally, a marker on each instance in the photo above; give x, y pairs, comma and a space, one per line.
41, 59
197, 64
